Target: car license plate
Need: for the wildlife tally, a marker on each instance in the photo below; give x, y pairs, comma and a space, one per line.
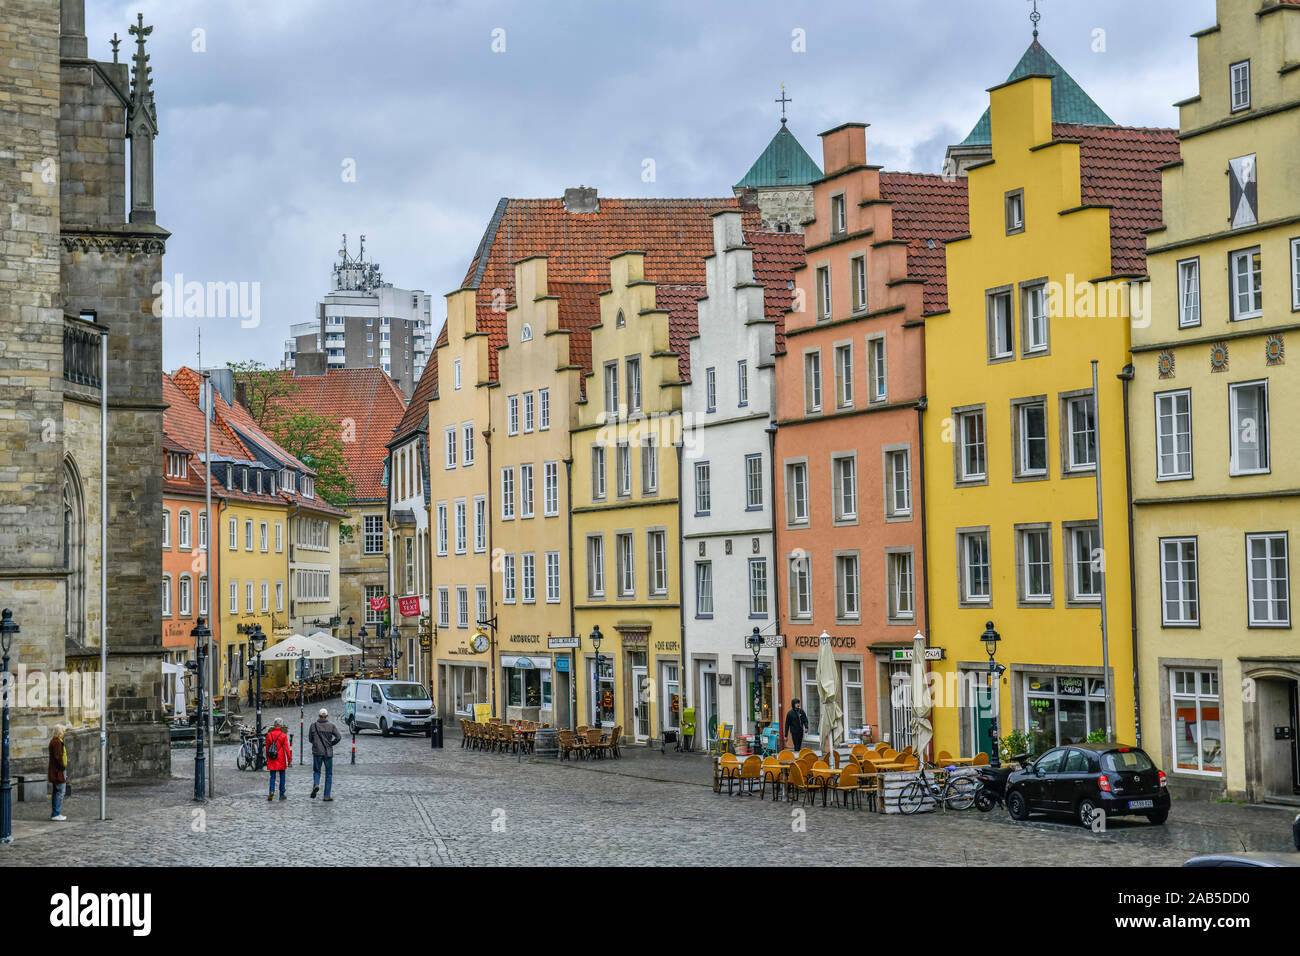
1140, 804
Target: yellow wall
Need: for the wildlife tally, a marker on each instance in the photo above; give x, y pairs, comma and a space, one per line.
1215, 507
456, 407
1058, 638
642, 623
241, 565
524, 368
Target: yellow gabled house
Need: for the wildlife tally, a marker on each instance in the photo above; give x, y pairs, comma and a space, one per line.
1038, 291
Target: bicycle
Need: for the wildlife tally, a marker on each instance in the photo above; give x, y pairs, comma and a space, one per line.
957, 793
250, 756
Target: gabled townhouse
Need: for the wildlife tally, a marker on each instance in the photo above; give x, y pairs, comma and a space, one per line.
1214, 476
850, 382
541, 368
730, 572
406, 534
1022, 529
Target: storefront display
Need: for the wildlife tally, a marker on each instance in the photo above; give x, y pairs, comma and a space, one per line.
1063, 709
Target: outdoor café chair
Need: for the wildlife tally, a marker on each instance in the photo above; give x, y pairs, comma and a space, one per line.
751, 771
771, 771
594, 742
869, 782
728, 770
786, 755
847, 787
797, 782
943, 758
981, 760
808, 753
616, 741
858, 751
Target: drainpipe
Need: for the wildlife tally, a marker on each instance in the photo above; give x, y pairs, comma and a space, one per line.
1126, 377
918, 503
776, 589
683, 675
492, 630
1101, 543
573, 654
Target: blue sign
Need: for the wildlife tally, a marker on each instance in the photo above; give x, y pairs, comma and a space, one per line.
562, 664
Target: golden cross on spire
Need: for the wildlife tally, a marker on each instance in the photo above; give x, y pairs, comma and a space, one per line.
783, 99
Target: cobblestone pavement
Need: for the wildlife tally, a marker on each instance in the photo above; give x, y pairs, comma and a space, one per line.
405, 804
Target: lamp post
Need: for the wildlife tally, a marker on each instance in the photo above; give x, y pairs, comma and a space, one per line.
393, 635
596, 638
755, 644
201, 633
363, 650
257, 641
8, 628
990, 638
351, 661
302, 681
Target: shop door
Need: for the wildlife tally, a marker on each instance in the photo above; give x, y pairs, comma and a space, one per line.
983, 722
1295, 737
708, 713
641, 703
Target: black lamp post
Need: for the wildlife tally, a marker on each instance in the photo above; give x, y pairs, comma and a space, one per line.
755, 644
363, 650
393, 636
8, 628
257, 641
352, 661
596, 638
200, 633
302, 681
990, 638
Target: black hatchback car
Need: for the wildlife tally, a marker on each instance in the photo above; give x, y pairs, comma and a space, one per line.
1080, 779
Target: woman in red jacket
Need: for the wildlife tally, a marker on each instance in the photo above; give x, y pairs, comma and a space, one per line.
278, 755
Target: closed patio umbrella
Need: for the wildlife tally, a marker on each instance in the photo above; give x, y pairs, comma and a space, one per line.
921, 729
829, 724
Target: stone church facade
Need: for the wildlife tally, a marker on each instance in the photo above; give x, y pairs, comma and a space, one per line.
79, 272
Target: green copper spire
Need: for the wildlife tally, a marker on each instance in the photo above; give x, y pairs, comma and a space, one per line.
783, 163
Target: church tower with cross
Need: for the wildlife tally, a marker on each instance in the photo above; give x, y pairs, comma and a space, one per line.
780, 181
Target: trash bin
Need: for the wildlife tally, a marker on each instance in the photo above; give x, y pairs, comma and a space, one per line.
435, 733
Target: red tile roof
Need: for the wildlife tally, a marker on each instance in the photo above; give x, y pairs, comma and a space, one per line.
368, 400
927, 211
418, 408
776, 255
682, 302
579, 310
675, 234
1120, 168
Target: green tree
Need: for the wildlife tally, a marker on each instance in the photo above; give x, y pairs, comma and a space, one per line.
265, 389
318, 441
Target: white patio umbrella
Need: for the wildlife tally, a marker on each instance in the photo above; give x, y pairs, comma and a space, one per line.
920, 726
343, 647
174, 679
292, 648
829, 725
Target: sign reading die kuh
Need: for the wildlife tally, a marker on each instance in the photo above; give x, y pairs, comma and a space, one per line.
409, 606
379, 603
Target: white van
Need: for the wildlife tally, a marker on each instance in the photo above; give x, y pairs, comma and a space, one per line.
388, 706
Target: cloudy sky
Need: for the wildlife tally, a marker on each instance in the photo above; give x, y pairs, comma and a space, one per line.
263, 105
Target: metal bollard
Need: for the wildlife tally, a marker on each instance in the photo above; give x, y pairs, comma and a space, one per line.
354, 743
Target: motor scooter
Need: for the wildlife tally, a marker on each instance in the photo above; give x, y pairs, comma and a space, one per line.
991, 783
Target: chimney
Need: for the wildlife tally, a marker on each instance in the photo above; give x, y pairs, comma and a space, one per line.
309, 363
581, 199
72, 29
241, 394
844, 146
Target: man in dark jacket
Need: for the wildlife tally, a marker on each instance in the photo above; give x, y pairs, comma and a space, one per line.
796, 724
323, 736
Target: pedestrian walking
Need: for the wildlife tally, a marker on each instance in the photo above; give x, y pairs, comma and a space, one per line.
58, 773
323, 735
796, 724
278, 755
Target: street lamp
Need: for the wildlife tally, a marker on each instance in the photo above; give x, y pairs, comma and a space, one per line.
596, 638
257, 641
200, 632
363, 650
302, 682
990, 638
8, 628
393, 636
755, 644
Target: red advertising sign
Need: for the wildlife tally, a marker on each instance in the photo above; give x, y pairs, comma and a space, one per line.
409, 606
379, 603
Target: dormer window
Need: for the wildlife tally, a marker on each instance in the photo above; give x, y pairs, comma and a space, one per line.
1015, 211
243, 478
230, 477
1239, 75
308, 487
176, 465
259, 482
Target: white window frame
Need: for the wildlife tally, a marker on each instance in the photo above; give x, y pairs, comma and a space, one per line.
796, 481
480, 524
1189, 292
1001, 326
528, 577
625, 563
758, 588
1280, 596
844, 487
711, 389
512, 414
441, 527
507, 493
901, 580
1076, 563
753, 482
877, 370
843, 358
1263, 428
1027, 536
965, 442
1255, 308
529, 412
449, 437
1073, 405
898, 483
466, 444
742, 383
812, 381
1195, 699
599, 490
461, 526
526, 490
1171, 399
1023, 439
703, 488
632, 373
975, 555
543, 409
595, 566
1036, 332
1239, 84
848, 586
550, 489
1175, 555
509, 581
704, 589
657, 562
552, 577
799, 573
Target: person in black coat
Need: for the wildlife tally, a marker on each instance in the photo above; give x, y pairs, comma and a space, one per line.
796, 724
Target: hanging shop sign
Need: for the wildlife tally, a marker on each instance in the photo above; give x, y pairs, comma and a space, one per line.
409, 606
905, 654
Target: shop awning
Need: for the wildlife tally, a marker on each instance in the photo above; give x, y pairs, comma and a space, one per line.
526, 663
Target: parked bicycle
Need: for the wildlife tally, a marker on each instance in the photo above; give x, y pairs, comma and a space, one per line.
251, 754
956, 793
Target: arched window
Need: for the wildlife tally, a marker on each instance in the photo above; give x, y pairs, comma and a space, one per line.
74, 552
183, 530
527, 335
167, 595
619, 321
183, 596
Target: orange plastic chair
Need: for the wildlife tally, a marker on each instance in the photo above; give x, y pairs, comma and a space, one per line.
728, 770
981, 760
751, 770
